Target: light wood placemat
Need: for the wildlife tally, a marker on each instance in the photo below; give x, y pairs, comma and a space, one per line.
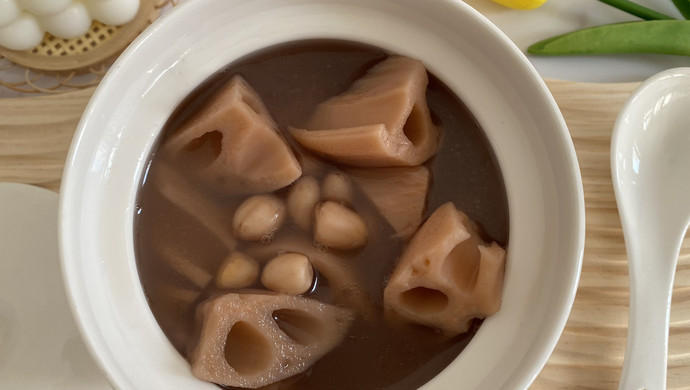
35, 134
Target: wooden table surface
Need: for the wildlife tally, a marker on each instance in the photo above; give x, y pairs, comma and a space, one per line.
35, 134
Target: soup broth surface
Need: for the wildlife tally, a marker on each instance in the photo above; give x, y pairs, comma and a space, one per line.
292, 79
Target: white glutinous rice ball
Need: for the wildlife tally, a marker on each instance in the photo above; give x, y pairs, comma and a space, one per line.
23, 34
9, 11
45, 7
113, 12
70, 23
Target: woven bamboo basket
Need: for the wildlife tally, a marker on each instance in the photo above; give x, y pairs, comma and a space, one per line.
53, 64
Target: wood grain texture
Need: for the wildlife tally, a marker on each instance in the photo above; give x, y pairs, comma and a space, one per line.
590, 353
35, 134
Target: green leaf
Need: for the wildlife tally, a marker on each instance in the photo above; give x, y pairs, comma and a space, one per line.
653, 36
684, 7
639, 10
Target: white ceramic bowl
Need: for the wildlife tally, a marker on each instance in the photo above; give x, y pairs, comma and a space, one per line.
183, 48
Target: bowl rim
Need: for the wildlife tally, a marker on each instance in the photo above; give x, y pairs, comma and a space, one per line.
74, 181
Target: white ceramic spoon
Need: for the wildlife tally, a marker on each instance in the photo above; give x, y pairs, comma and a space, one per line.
650, 165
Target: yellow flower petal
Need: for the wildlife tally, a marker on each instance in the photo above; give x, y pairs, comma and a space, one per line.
520, 4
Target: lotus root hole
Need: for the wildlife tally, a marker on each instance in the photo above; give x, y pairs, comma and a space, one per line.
414, 126
424, 300
247, 350
213, 141
302, 327
462, 264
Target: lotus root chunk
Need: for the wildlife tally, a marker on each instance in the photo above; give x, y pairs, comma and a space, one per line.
251, 340
398, 193
247, 152
447, 275
383, 119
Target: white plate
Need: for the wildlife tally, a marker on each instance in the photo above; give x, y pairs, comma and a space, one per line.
560, 16
40, 347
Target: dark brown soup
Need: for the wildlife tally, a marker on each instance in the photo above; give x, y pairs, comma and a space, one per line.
291, 79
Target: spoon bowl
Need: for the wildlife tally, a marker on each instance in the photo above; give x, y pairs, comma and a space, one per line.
650, 166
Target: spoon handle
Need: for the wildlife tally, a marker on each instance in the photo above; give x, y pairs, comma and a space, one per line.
652, 265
